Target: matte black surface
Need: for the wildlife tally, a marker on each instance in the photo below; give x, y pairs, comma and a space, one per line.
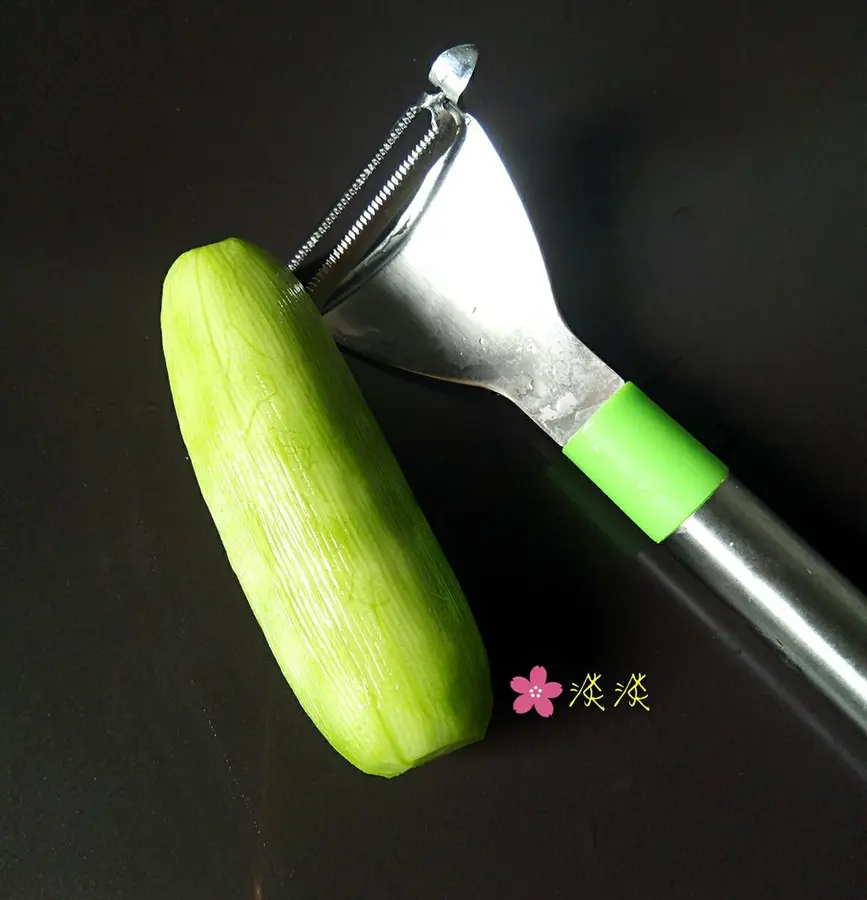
696, 172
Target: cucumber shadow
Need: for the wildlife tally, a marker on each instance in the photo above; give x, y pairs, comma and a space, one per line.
501, 499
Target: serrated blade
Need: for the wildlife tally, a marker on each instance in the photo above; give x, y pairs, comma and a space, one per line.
442, 275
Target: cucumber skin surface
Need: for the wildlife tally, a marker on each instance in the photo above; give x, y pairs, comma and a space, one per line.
350, 587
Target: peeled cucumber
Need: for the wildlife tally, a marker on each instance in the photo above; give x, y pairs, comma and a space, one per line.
354, 596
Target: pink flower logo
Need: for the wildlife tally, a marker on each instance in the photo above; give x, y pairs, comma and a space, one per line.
536, 693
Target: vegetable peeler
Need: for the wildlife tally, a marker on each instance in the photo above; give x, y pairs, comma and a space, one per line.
440, 274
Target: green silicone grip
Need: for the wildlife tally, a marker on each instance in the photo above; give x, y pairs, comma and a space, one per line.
653, 469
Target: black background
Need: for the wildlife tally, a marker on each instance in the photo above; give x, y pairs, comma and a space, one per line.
696, 174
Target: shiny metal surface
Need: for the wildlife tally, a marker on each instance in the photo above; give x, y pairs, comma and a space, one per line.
467, 299
442, 274
382, 228
384, 215
401, 197
333, 216
453, 69
789, 594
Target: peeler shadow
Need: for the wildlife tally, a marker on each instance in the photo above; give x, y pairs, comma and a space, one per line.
575, 184
537, 577
742, 646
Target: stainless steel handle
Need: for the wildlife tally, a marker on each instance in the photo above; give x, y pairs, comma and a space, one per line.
789, 594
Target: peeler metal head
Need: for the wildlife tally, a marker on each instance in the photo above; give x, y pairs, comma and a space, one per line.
441, 274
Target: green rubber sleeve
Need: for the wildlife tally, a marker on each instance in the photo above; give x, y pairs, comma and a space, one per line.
653, 469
